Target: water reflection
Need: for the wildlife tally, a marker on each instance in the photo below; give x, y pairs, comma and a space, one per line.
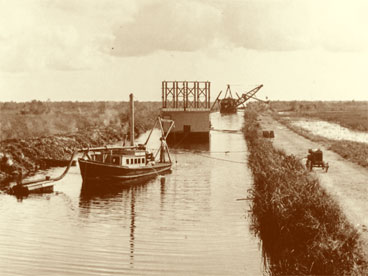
205, 146
162, 194
132, 225
110, 198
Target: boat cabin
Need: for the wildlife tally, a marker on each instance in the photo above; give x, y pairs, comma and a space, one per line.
131, 158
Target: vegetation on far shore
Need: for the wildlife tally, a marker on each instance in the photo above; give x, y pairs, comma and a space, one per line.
303, 230
36, 118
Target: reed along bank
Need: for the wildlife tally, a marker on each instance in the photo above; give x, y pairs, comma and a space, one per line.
302, 228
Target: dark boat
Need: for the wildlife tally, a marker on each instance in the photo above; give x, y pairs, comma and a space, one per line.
229, 104
121, 165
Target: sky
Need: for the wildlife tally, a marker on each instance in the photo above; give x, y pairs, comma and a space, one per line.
91, 50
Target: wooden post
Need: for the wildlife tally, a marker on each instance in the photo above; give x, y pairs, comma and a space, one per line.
196, 85
163, 97
185, 95
176, 97
131, 120
208, 95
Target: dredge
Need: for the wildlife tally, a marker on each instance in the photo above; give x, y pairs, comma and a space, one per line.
187, 103
229, 104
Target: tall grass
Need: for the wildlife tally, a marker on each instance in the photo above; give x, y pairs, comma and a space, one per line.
303, 230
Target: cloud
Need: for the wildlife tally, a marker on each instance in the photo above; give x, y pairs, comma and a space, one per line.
167, 25
57, 35
340, 25
267, 25
297, 25
44, 48
86, 34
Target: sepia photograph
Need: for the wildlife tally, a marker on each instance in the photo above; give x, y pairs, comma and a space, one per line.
183, 137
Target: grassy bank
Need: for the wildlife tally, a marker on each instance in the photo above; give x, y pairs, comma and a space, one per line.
303, 231
353, 151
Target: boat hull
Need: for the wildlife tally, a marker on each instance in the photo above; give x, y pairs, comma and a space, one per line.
92, 171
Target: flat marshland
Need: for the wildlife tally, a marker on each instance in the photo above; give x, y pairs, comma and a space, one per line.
302, 228
351, 115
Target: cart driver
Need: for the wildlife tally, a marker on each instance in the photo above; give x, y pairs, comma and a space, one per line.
310, 154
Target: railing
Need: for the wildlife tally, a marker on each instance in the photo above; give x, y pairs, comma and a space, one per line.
186, 94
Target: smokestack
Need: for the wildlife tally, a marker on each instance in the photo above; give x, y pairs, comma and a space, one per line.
131, 120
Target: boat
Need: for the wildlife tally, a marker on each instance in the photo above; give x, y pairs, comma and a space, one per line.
230, 105
123, 164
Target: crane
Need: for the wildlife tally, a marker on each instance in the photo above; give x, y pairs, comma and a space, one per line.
229, 104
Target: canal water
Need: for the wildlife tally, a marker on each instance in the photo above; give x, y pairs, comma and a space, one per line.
331, 130
192, 224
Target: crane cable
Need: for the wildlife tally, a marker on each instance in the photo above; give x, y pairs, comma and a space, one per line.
221, 159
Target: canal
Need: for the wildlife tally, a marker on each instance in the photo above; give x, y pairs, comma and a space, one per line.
192, 224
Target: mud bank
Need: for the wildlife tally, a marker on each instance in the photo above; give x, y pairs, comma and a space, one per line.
26, 156
302, 228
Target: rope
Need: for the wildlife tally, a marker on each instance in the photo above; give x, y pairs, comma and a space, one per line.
221, 159
227, 131
177, 144
197, 152
206, 151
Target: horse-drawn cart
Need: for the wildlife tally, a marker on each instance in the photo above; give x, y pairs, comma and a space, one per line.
315, 159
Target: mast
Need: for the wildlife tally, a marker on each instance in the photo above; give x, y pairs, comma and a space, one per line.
131, 120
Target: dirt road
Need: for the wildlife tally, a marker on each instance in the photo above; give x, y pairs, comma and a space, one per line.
345, 181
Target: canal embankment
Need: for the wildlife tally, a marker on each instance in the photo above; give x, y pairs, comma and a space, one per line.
303, 229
